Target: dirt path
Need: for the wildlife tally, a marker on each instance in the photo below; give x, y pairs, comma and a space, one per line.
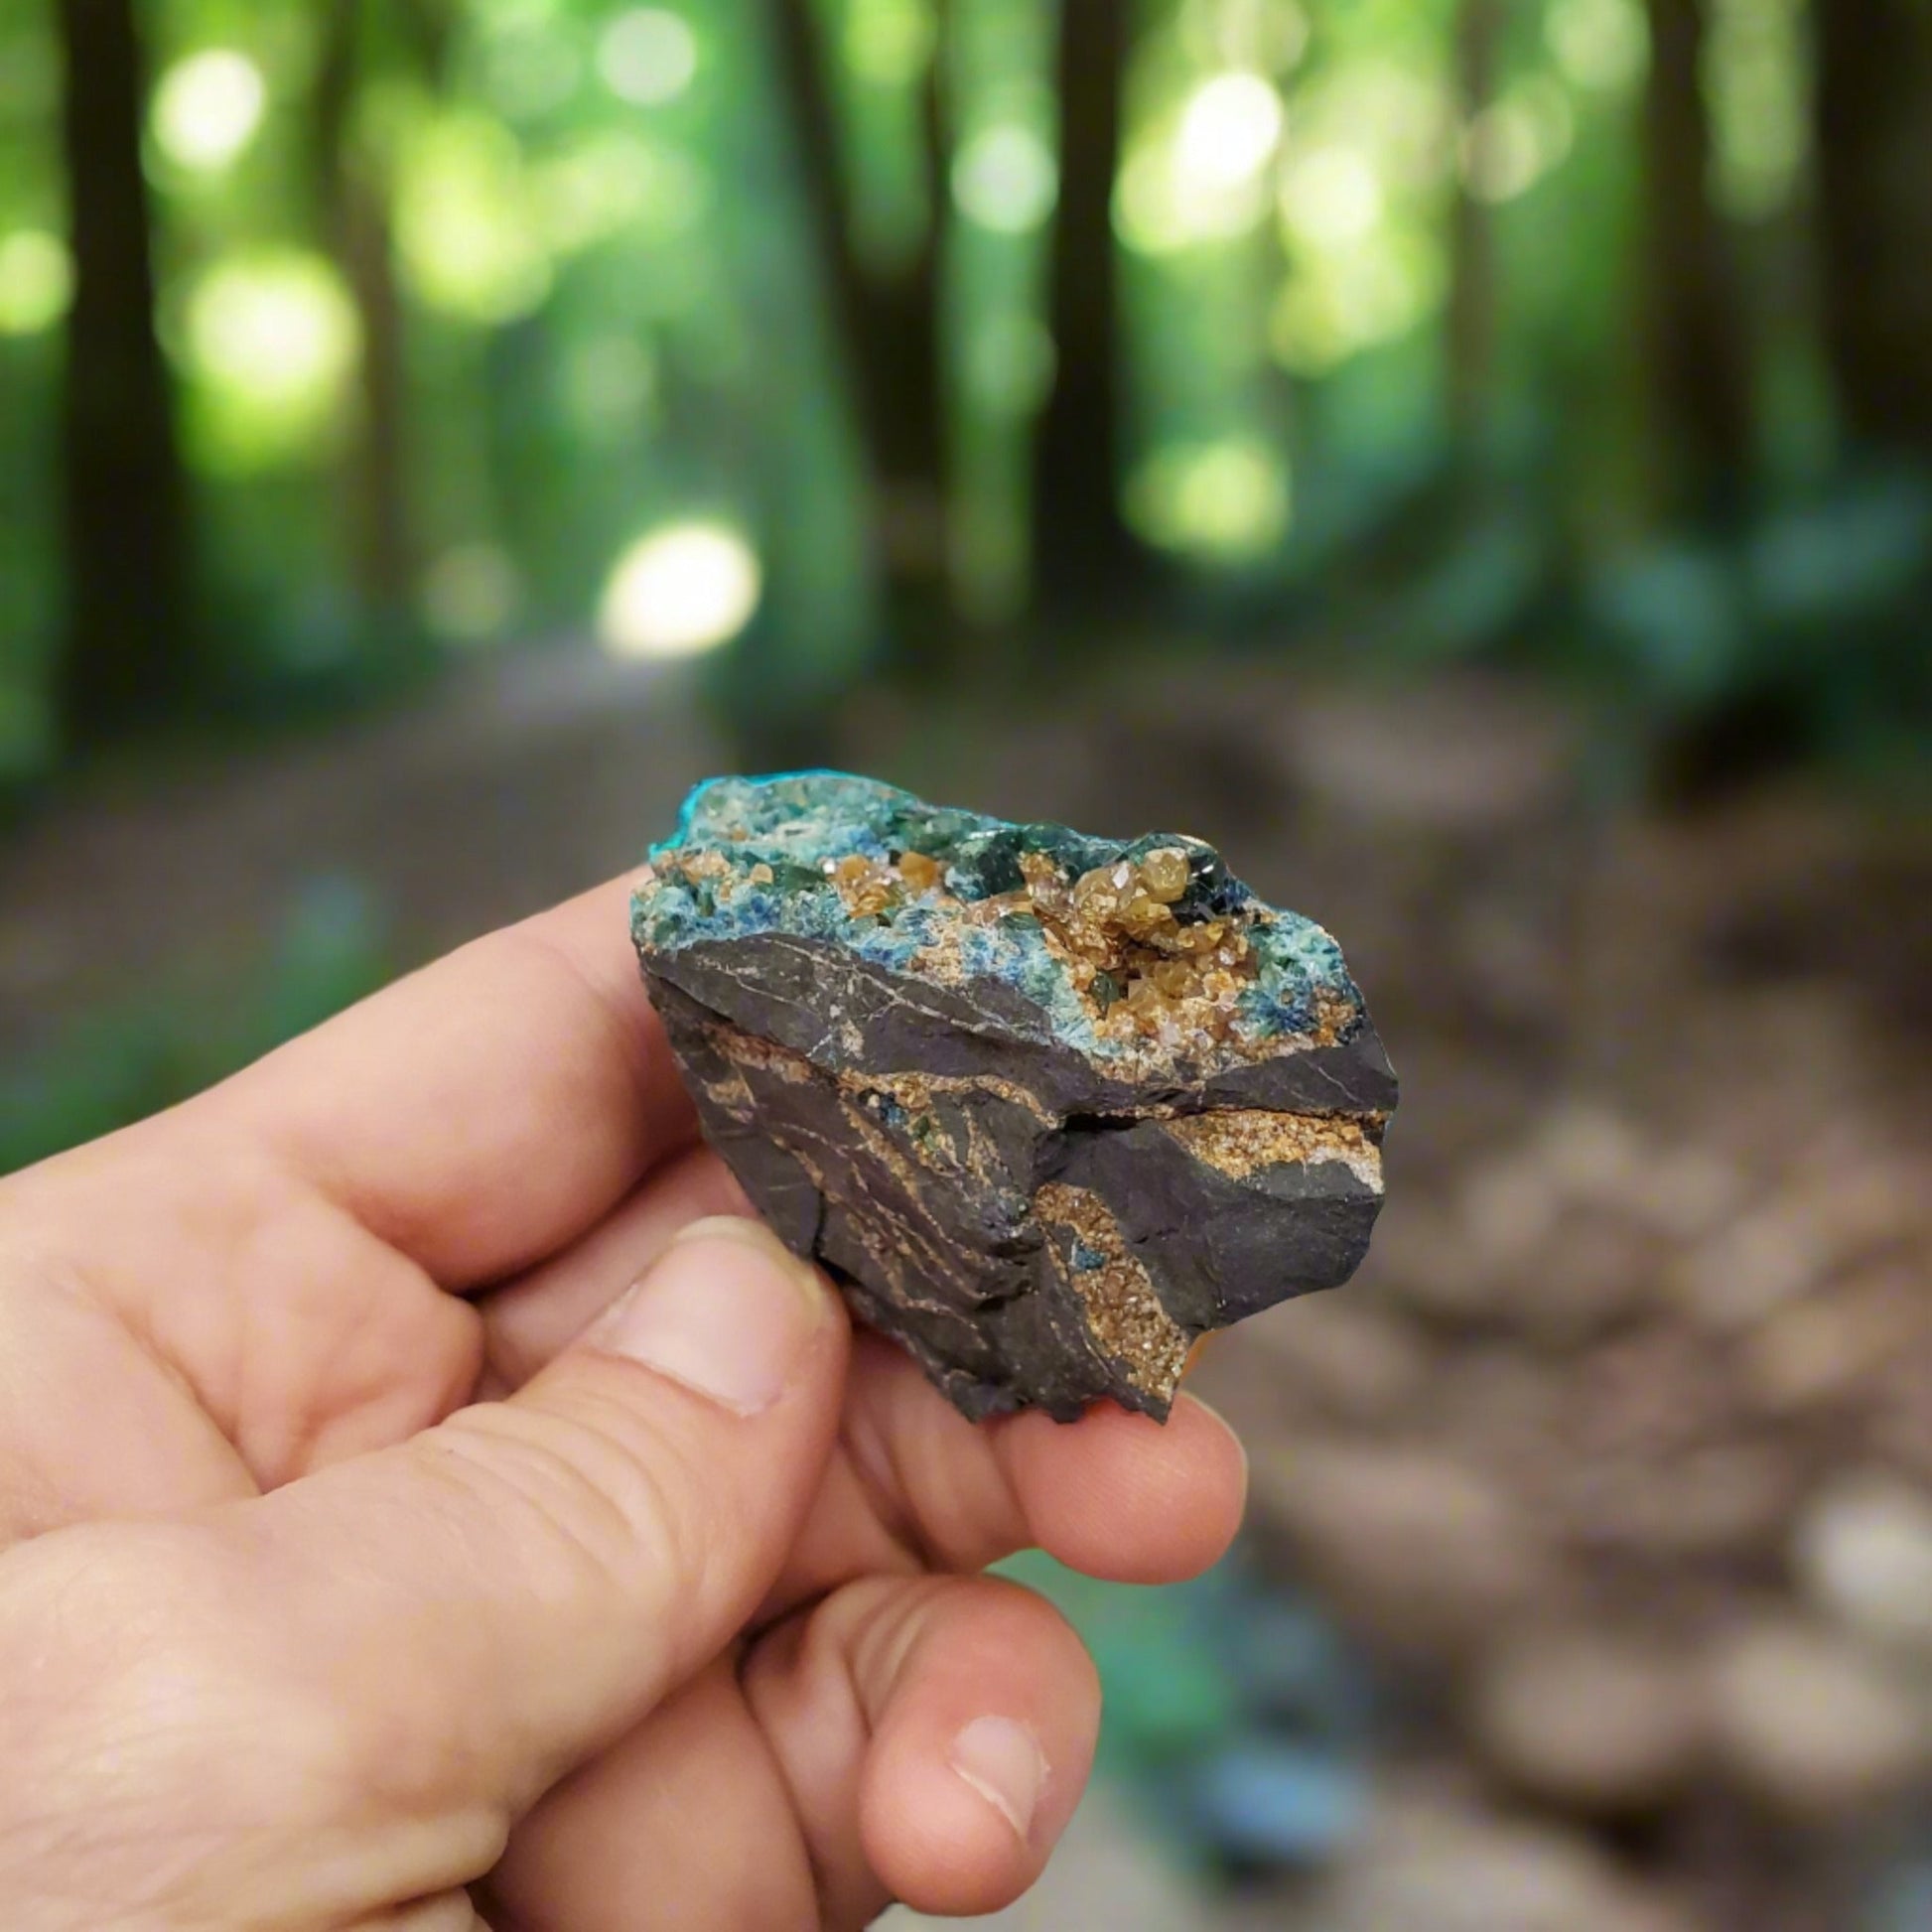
515, 783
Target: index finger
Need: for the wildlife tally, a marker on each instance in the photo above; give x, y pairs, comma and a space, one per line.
482, 1112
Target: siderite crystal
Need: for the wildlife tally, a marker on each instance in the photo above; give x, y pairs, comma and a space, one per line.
1047, 1106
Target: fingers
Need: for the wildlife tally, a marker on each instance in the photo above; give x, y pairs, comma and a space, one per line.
935, 1736
530, 1319
1127, 1499
913, 1739
239, 1329
914, 1486
686, 1822
516, 1587
482, 1112
913, 1483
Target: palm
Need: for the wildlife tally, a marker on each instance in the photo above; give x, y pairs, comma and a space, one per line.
410, 1211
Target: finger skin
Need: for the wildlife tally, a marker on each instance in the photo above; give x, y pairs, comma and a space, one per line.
340, 1694
804, 1791
687, 1821
1132, 1501
529, 1320
895, 1670
915, 1487
239, 1328
513, 1589
170, 1760
482, 1112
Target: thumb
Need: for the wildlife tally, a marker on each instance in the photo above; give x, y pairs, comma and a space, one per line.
507, 1591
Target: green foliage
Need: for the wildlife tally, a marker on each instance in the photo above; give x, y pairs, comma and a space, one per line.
1230, 1706
1168, 1694
535, 279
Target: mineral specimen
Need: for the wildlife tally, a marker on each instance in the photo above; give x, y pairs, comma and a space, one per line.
1047, 1106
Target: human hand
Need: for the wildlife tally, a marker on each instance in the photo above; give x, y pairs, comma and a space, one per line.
369, 1559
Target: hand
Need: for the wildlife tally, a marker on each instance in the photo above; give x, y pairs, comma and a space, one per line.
368, 1556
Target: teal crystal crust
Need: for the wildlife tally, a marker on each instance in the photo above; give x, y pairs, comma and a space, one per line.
801, 825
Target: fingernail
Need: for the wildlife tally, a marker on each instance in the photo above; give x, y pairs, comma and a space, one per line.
728, 1312
1002, 1761
757, 1235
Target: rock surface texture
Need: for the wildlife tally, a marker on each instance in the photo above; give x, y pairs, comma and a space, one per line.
1048, 1107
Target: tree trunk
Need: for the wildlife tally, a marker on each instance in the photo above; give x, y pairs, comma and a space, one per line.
1873, 113
1699, 357
355, 219
1471, 325
1083, 555
887, 324
131, 647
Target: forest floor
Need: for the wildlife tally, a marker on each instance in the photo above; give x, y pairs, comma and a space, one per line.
1617, 1460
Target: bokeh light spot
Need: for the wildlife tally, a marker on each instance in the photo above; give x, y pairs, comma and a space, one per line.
889, 43
272, 337
647, 57
208, 108
1330, 194
1598, 44
1514, 142
35, 281
279, 327
683, 589
465, 227
471, 594
1005, 178
1160, 208
1226, 500
1228, 131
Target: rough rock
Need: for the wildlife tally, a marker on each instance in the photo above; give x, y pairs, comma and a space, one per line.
1341, 1357
1589, 1718
1863, 1551
1453, 1868
1824, 1350
1048, 1107
1423, 1554
1814, 1724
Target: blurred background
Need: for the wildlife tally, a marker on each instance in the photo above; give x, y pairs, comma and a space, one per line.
1470, 459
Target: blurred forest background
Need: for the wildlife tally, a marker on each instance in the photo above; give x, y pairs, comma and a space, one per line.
1471, 458
945, 337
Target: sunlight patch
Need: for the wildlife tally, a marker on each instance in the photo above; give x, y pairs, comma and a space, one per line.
208, 108
647, 57
35, 281
683, 589
1229, 131
1005, 178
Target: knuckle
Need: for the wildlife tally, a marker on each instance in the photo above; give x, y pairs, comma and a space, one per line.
888, 1618
608, 1502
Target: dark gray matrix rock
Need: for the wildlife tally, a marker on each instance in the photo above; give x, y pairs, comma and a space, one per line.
1046, 1106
